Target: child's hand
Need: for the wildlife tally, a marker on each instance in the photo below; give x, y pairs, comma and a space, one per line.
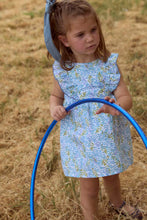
58, 112
108, 109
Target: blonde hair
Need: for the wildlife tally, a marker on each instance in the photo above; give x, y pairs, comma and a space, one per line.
60, 16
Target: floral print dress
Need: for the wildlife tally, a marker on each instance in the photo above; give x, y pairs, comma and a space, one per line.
92, 145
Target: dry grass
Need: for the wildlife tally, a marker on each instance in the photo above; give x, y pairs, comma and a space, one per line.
25, 85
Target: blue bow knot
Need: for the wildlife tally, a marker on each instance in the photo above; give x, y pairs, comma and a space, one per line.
47, 32
49, 4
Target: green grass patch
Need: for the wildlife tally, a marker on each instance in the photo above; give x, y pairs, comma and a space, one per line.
33, 14
139, 109
3, 105
45, 63
45, 94
136, 55
114, 8
52, 161
1, 74
70, 188
144, 9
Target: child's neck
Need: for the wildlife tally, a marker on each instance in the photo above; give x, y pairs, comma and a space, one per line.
85, 59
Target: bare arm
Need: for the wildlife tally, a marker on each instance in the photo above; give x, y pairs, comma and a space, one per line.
57, 110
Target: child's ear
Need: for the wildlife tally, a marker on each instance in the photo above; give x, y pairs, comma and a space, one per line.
64, 40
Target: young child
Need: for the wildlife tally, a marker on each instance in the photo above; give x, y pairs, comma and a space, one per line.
95, 138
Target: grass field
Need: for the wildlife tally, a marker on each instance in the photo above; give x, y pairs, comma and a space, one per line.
25, 86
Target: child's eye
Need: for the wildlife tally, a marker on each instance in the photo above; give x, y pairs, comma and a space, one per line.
80, 35
93, 29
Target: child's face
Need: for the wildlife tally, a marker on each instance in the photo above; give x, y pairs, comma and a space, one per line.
82, 38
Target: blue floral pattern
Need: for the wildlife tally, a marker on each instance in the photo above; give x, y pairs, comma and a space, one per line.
92, 145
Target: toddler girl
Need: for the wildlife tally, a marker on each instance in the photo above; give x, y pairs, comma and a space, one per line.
95, 139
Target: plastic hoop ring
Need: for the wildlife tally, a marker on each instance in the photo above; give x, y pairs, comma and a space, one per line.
126, 114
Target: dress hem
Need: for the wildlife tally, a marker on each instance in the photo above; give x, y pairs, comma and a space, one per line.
100, 175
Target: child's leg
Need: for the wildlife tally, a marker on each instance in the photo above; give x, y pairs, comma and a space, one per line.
89, 188
112, 187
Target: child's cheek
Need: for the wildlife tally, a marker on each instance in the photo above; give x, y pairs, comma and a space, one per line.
80, 46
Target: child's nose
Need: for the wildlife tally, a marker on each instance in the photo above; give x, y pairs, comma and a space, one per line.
89, 38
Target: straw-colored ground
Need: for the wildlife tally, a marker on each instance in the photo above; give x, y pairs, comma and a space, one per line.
25, 86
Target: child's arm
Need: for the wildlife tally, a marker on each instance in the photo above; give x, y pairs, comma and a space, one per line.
57, 110
123, 99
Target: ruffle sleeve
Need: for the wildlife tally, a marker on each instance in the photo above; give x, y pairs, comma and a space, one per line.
57, 70
60, 75
65, 80
112, 75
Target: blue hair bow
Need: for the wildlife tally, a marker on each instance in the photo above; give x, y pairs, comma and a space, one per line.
47, 32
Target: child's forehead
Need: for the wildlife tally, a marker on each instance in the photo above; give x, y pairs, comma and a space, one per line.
77, 21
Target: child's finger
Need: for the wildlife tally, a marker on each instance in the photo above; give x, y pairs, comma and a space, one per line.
101, 110
63, 113
107, 98
112, 100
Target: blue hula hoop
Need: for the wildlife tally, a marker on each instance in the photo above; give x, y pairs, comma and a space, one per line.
126, 114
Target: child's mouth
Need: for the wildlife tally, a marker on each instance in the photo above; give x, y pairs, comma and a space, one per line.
91, 47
